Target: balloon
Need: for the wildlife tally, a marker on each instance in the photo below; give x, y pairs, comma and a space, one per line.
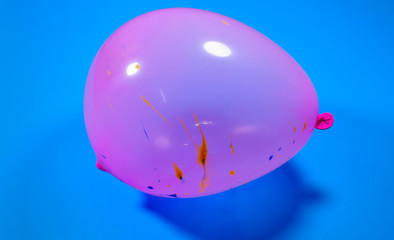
186, 103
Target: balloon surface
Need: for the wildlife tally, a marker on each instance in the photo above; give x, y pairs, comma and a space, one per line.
186, 103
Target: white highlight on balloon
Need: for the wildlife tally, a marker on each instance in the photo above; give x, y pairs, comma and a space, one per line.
204, 122
162, 95
217, 49
133, 68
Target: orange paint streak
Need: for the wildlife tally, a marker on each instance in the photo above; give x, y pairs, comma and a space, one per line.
178, 172
231, 145
225, 22
232, 172
202, 157
204, 183
188, 133
294, 129
304, 126
203, 151
109, 104
156, 110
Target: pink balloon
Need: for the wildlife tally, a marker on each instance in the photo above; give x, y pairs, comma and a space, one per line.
185, 103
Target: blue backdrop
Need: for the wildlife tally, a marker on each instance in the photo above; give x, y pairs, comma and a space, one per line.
340, 186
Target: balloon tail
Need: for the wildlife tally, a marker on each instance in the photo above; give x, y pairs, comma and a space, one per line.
99, 165
324, 121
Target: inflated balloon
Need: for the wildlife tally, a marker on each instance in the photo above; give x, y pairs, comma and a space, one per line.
185, 103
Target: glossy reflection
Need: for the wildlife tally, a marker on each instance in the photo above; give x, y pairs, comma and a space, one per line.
217, 49
133, 68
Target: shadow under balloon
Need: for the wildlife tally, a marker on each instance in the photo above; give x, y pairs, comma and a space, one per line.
260, 209
61, 182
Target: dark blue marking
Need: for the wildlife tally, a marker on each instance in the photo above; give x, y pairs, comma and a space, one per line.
150, 187
293, 141
159, 180
146, 134
271, 157
280, 148
103, 156
172, 195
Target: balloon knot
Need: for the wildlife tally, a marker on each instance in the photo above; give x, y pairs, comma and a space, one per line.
99, 165
324, 121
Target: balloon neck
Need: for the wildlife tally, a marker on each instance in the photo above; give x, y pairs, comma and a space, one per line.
324, 121
99, 165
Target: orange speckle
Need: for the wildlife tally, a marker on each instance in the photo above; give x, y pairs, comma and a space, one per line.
155, 110
278, 156
168, 185
304, 126
231, 145
187, 193
203, 184
108, 72
123, 53
232, 172
178, 172
294, 129
225, 22
290, 122
137, 66
109, 104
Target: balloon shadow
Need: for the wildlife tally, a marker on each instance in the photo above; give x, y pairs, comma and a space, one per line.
260, 209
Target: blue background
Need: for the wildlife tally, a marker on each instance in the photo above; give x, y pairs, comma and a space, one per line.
340, 186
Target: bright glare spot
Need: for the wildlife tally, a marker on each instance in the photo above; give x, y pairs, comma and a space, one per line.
133, 68
217, 49
204, 122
